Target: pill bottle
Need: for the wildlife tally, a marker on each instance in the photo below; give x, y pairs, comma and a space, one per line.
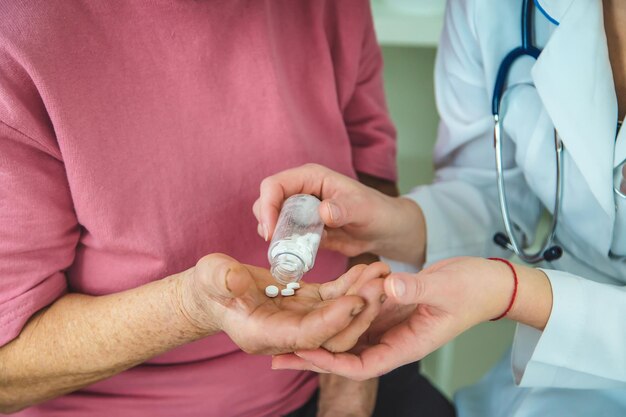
296, 238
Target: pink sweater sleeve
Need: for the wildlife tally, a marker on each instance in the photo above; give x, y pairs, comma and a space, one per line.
38, 229
372, 133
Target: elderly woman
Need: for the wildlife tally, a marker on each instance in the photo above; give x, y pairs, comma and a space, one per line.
133, 138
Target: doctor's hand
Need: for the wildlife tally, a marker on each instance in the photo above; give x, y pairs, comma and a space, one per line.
445, 300
219, 293
358, 218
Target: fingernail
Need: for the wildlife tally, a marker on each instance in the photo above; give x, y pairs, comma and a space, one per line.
266, 233
398, 287
357, 310
334, 212
383, 298
226, 281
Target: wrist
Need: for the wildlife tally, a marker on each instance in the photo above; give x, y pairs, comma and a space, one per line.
342, 397
528, 302
405, 239
198, 316
533, 304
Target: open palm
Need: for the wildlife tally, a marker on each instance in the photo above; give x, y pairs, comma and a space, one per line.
314, 317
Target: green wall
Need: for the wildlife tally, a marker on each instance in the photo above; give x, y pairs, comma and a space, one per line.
411, 99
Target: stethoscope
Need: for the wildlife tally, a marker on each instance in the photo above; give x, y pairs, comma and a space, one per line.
548, 251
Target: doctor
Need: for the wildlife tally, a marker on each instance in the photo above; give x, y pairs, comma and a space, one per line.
568, 357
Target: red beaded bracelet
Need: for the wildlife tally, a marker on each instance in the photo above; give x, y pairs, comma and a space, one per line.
510, 265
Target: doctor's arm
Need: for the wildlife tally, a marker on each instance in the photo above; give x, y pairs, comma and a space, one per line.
444, 300
570, 334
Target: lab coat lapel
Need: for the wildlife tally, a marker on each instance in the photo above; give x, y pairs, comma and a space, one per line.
574, 80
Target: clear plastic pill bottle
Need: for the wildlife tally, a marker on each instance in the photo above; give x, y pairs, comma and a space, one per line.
296, 238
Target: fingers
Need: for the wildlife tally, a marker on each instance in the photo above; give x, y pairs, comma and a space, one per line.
341, 285
260, 228
334, 213
293, 361
365, 281
372, 362
371, 272
354, 279
339, 241
374, 295
329, 319
406, 288
220, 275
307, 179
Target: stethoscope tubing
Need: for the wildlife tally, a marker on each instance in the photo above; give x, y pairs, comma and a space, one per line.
510, 241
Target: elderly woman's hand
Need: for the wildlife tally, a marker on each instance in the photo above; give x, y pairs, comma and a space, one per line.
221, 292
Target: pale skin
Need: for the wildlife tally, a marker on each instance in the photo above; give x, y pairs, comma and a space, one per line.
81, 339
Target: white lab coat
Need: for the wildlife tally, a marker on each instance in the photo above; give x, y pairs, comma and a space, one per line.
577, 365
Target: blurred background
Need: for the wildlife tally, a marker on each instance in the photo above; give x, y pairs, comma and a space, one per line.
408, 32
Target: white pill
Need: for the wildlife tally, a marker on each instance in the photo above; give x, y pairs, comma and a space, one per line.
293, 285
287, 292
271, 291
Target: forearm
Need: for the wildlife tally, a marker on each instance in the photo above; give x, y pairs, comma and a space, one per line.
406, 237
342, 397
81, 339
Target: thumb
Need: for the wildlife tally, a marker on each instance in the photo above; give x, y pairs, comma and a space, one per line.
336, 212
406, 288
221, 276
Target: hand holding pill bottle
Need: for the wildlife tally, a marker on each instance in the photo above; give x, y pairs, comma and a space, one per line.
296, 239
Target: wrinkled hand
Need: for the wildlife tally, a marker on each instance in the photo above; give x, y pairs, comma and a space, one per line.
220, 292
359, 219
443, 300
